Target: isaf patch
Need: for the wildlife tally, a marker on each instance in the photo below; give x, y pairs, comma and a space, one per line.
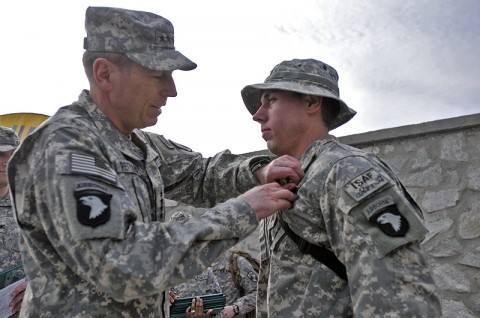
93, 206
365, 184
384, 213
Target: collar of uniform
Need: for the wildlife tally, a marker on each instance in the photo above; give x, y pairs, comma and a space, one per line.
150, 153
314, 150
107, 129
5, 201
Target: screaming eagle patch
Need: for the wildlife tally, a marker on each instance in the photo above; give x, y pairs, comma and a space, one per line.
384, 213
93, 207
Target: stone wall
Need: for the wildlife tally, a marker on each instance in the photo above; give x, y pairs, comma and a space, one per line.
439, 163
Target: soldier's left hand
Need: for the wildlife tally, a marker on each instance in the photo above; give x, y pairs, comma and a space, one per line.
173, 296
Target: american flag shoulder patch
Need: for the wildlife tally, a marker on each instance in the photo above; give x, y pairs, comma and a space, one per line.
85, 164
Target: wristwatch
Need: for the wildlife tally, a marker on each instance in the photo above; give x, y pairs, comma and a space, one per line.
236, 310
257, 163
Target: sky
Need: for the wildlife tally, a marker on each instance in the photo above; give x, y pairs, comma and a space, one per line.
399, 62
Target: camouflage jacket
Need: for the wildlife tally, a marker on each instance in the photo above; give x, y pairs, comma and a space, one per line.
91, 206
352, 203
219, 279
10, 249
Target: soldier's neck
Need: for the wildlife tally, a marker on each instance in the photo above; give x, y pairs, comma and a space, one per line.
3, 192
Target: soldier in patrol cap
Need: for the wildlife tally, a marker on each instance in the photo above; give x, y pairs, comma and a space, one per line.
89, 185
9, 236
350, 245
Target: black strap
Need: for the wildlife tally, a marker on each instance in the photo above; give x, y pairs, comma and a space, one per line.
319, 252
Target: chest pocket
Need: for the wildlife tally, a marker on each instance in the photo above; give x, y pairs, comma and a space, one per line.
9, 234
140, 188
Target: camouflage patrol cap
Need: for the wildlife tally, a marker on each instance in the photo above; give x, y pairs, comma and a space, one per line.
144, 37
8, 139
178, 216
306, 76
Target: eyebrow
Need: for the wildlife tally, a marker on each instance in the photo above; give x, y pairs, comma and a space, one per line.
266, 95
269, 92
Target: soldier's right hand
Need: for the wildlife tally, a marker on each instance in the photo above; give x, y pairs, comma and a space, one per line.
268, 198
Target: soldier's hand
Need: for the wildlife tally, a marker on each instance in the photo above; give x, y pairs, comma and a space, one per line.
196, 309
286, 169
228, 312
268, 198
17, 297
173, 296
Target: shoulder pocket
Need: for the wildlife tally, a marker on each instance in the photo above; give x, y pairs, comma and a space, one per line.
390, 220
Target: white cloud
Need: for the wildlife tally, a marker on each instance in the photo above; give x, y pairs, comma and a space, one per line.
400, 62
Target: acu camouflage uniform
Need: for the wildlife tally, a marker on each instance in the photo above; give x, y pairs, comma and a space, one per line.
10, 249
244, 294
352, 203
91, 206
202, 284
9, 233
232, 274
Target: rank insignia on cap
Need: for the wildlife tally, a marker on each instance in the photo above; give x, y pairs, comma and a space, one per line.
93, 207
391, 221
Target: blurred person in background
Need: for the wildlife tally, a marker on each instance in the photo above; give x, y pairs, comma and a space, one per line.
234, 274
10, 248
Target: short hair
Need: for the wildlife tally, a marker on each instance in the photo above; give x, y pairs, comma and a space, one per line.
330, 110
119, 59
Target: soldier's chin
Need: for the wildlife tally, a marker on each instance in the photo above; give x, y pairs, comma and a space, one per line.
151, 122
273, 148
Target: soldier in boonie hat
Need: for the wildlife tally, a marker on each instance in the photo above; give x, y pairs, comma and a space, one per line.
338, 218
306, 76
8, 139
144, 37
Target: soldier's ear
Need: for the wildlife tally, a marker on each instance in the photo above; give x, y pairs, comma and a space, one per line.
312, 100
102, 69
314, 103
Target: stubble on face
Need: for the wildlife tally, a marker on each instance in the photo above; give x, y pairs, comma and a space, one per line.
282, 125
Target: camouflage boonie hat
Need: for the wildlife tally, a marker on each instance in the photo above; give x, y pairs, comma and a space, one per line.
306, 76
8, 139
144, 37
